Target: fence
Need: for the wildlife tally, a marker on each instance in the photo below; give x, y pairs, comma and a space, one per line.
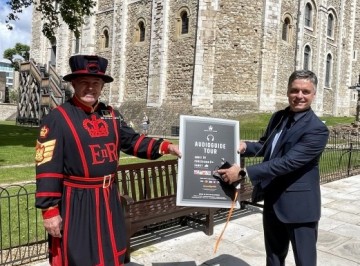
23, 238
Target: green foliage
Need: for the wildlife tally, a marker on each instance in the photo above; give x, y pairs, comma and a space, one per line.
14, 96
72, 12
12, 54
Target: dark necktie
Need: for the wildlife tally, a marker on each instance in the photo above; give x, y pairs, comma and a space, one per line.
288, 122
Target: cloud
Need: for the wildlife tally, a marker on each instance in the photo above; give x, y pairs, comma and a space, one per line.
21, 31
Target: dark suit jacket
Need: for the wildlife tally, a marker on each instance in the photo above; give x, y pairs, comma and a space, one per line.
290, 178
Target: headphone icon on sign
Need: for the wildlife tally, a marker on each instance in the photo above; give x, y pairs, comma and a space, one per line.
210, 137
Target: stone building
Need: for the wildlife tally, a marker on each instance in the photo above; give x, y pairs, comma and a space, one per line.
216, 58
3, 86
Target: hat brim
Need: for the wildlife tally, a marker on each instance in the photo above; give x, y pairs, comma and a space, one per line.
105, 78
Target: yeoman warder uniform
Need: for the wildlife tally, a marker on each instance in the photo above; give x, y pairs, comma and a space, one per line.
77, 154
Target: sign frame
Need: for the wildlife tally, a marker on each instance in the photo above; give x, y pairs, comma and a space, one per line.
204, 143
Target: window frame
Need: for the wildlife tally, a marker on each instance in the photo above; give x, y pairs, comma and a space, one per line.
77, 45
328, 70
330, 26
180, 22
307, 57
286, 34
140, 31
105, 38
308, 15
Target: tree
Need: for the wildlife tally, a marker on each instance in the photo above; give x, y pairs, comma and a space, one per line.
72, 13
21, 50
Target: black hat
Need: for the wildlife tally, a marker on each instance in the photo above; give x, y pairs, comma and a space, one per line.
88, 65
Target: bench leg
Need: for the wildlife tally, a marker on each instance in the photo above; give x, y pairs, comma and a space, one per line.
128, 236
183, 221
209, 222
127, 253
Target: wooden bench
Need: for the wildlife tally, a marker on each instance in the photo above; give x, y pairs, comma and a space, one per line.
148, 194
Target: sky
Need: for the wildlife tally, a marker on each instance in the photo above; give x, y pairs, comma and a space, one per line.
21, 28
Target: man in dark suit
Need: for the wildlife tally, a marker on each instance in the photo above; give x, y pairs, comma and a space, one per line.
288, 179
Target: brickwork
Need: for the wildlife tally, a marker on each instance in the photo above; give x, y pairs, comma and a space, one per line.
232, 60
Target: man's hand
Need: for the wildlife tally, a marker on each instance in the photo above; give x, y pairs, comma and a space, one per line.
231, 174
174, 150
53, 225
242, 147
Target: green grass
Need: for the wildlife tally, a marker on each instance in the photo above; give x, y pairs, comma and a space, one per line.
335, 121
260, 121
253, 121
20, 222
17, 174
17, 153
17, 144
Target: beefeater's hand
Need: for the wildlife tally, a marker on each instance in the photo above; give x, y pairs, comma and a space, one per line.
53, 226
174, 150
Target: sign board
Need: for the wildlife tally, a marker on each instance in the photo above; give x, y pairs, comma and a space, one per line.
204, 142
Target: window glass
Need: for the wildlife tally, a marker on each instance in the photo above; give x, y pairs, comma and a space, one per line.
141, 31
328, 70
308, 15
286, 31
307, 55
330, 25
184, 23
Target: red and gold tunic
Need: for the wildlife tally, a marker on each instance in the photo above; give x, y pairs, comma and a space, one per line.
77, 155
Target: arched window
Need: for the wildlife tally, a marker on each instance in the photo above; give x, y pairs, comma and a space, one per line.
106, 38
53, 52
330, 26
77, 46
308, 15
184, 22
286, 29
307, 57
328, 70
141, 31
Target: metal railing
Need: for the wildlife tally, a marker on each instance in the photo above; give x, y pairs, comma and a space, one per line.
23, 238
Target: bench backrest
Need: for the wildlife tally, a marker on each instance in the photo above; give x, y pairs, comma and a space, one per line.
148, 180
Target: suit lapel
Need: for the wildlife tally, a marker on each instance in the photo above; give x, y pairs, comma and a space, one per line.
291, 132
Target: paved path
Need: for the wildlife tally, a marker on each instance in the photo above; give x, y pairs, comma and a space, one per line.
242, 244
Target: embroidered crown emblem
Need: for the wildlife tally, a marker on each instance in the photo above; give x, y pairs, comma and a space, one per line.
44, 132
96, 127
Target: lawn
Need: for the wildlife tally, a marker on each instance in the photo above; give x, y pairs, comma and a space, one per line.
17, 153
18, 144
18, 216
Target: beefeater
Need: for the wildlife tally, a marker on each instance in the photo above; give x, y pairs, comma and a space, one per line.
77, 154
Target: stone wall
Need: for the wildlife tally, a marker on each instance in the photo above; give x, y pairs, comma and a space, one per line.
232, 60
8, 111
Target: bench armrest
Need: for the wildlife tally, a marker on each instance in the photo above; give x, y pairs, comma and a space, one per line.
126, 200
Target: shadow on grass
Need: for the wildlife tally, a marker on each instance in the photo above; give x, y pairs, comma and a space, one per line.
13, 135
